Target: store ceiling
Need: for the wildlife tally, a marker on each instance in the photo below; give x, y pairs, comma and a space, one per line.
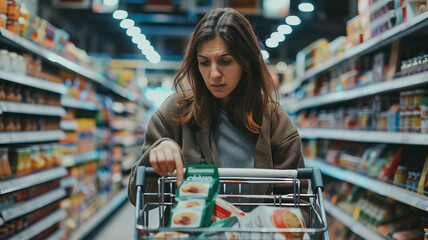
168, 30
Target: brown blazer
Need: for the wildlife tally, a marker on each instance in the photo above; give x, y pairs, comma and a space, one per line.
278, 145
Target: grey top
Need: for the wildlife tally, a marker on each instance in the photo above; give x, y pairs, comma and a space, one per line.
235, 147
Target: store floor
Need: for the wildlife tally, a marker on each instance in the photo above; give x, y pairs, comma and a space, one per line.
121, 224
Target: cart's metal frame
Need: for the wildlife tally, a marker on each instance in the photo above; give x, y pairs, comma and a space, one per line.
312, 201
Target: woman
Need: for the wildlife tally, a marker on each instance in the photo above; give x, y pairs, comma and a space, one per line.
223, 112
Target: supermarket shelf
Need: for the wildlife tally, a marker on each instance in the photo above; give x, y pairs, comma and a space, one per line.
20, 209
41, 225
382, 87
31, 136
15, 184
351, 223
68, 125
365, 136
385, 189
68, 182
126, 141
33, 82
73, 160
377, 42
97, 219
35, 109
67, 101
59, 60
59, 234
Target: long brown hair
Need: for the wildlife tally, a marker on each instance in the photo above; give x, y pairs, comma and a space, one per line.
253, 93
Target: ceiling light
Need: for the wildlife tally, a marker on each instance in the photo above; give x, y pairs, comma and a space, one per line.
306, 7
127, 23
133, 31
137, 39
110, 2
120, 14
281, 66
265, 55
279, 37
293, 20
285, 29
271, 43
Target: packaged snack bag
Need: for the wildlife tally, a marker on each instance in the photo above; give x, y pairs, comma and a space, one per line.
273, 217
221, 225
195, 197
224, 209
171, 235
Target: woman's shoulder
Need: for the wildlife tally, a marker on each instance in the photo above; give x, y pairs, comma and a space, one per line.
170, 104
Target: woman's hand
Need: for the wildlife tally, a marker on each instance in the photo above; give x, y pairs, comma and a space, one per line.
165, 158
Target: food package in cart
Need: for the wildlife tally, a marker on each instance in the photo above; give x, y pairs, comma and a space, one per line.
195, 197
273, 217
217, 230
224, 209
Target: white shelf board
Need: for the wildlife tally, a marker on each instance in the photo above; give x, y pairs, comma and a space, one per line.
34, 109
22, 208
83, 230
365, 136
376, 88
385, 189
15, 184
68, 182
57, 59
68, 125
31, 136
40, 225
59, 234
372, 44
76, 159
70, 102
351, 223
33, 82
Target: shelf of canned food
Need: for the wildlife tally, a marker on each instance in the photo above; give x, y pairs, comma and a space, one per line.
350, 222
31, 136
41, 225
372, 89
389, 36
33, 109
385, 189
15, 184
6, 35
365, 136
21, 78
22, 208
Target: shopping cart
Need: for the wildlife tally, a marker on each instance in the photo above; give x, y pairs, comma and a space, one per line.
310, 202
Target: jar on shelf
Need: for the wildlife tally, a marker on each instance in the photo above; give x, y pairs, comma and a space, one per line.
400, 175
17, 92
10, 93
3, 7
4, 60
9, 125
3, 20
416, 121
2, 92
17, 122
13, 10
13, 26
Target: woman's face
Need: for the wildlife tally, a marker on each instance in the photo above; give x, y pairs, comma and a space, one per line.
220, 70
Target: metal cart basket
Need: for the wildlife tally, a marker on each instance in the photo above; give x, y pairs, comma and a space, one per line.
311, 201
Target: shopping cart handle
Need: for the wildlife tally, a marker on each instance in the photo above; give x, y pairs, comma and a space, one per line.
142, 173
312, 173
